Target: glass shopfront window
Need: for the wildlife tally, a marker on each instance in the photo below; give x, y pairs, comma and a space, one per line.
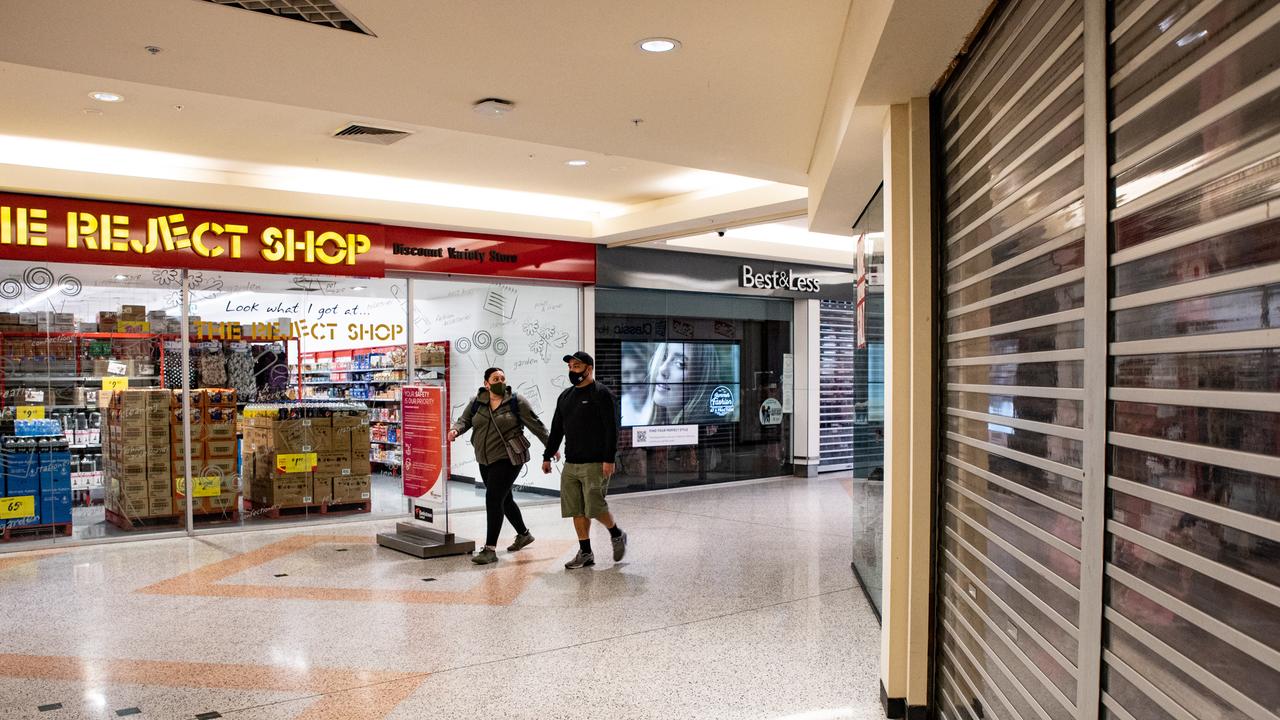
524, 329
264, 387
316, 365
76, 465
708, 371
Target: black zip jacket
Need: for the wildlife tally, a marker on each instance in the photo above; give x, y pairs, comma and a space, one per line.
587, 420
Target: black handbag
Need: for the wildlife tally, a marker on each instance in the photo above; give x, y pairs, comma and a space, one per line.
517, 447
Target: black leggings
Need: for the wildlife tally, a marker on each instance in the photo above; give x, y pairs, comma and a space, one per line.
498, 478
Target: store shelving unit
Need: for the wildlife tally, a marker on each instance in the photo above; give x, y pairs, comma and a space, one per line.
348, 375
47, 369
73, 355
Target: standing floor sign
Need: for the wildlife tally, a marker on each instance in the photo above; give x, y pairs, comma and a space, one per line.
424, 417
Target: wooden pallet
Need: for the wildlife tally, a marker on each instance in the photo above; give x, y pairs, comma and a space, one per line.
276, 512
35, 532
162, 521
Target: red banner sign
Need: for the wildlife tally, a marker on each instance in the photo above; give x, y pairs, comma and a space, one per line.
422, 409
65, 230
437, 251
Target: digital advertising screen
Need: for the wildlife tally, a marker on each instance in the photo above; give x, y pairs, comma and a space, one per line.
679, 383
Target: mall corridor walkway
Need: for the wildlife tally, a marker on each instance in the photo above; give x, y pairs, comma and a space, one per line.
733, 602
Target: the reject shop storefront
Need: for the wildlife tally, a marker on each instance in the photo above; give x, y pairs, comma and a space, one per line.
295, 331
716, 363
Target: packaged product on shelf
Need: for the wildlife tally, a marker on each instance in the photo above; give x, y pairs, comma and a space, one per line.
271, 371
219, 423
85, 397
37, 467
240, 375
212, 364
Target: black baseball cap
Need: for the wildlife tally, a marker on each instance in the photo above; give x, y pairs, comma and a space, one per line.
583, 356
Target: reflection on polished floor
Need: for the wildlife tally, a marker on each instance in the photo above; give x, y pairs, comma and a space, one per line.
387, 498
733, 602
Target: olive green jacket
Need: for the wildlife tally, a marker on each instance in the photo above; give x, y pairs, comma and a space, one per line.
487, 442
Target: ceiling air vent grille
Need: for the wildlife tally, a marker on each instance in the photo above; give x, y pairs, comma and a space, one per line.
316, 12
370, 134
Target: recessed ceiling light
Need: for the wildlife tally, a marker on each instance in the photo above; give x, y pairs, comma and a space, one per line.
659, 44
122, 277
358, 288
101, 96
577, 163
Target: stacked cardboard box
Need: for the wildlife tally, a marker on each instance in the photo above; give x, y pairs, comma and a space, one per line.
306, 456
428, 355
213, 451
146, 463
136, 448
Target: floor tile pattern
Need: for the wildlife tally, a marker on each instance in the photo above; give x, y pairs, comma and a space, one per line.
733, 602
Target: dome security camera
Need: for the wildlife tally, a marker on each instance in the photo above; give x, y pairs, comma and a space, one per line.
720, 233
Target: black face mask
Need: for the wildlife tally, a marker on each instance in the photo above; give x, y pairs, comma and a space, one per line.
576, 377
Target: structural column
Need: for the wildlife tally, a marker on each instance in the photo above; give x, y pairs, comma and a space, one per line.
910, 380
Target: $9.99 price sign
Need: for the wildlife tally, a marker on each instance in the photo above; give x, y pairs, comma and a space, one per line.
296, 462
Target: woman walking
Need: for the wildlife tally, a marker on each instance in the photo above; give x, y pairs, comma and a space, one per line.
497, 418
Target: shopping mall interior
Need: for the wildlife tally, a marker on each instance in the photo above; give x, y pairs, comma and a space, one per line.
848, 359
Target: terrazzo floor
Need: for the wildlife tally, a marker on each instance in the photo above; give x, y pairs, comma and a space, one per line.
733, 602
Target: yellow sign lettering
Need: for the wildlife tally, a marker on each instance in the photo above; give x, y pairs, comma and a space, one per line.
37, 229
24, 226
273, 245
115, 233
197, 239
109, 232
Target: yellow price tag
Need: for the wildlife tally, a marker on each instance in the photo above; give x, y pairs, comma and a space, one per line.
207, 486
115, 383
23, 506
296, 462
30, 412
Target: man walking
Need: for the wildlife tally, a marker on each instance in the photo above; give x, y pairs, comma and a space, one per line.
586, 419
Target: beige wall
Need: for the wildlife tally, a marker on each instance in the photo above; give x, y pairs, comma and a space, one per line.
909, 389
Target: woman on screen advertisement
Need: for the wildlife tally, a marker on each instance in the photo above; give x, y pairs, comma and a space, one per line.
687, 383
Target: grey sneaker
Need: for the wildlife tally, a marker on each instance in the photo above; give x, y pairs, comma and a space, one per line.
619, 546
522, 541
581, 560
485, 556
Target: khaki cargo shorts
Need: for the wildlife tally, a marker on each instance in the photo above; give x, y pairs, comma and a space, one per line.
582, 490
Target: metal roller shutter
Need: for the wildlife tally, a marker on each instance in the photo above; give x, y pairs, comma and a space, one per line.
1110, 517
1192, 619
838, 382
1011, 479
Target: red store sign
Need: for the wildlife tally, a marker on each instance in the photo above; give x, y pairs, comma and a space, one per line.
438, 251
66, 230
